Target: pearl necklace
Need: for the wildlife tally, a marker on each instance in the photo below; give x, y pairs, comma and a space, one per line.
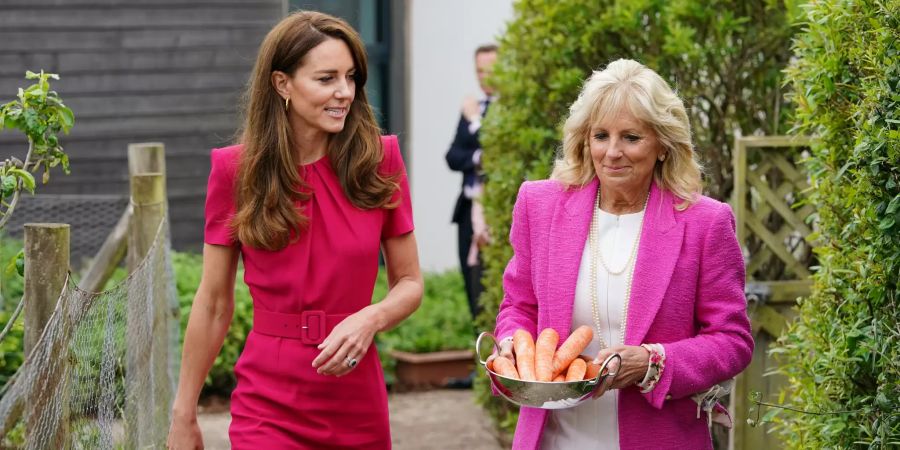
595, 255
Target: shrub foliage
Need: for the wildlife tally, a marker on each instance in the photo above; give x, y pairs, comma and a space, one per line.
841, 354
441, 323
725, 57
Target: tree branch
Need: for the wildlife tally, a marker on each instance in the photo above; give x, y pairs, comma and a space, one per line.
12, 205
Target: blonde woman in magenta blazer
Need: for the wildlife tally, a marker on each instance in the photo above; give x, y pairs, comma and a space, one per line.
627, 147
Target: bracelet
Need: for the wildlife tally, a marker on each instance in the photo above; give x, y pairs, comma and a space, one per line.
655, 366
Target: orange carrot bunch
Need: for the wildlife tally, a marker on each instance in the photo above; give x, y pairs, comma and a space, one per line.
543, 361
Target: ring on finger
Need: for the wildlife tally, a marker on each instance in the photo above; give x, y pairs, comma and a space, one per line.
352, 362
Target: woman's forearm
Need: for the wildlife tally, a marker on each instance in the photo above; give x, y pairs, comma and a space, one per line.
402, 299
203, 339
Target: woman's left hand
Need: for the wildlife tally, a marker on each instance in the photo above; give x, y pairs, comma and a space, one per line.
633, 368
348, 342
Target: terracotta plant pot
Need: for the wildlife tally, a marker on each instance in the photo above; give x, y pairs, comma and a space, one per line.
431, 370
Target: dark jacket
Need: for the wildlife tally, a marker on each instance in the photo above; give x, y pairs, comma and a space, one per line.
460, 158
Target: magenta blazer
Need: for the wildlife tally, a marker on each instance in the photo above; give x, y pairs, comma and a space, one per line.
687, 294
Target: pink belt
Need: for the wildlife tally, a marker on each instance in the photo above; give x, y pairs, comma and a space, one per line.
311, 326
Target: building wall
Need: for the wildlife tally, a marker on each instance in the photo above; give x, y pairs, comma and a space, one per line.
442, 37
172, 71
166, 71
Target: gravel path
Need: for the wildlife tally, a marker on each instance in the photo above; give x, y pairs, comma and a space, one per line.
438, 419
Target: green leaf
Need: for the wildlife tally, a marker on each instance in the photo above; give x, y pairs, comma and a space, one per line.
20, 263
64, 160
8, 186
66, 118
770, 414
26, 177
893, 206
13, 118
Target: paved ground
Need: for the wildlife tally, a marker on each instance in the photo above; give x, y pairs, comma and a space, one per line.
438, 419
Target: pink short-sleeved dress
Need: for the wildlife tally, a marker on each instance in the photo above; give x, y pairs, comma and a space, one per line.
299, 294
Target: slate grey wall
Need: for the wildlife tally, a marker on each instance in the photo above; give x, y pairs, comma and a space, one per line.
166, 71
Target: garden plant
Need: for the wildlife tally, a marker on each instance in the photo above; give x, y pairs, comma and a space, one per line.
40, 114
724, 57
841, 356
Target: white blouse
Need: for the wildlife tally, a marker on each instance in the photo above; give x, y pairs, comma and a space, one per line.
594, 424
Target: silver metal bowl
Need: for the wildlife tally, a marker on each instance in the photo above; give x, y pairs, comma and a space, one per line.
540, 394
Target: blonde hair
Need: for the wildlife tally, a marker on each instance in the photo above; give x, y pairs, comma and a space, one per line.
268, 182
628, 84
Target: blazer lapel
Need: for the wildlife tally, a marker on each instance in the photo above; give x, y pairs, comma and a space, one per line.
568, 234
658, 252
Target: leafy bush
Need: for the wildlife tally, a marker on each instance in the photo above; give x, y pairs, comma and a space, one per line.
11, 287
724, 57
11, 356
442, 322
40, 114
11, 283
841, 354
188, 269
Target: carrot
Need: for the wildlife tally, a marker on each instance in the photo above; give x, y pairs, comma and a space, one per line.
559, 378
523, 345
592, 369
576, 370
545, 347
574, 345
503, 366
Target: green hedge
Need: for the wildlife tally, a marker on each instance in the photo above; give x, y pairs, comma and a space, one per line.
724, 57
11, 288
842, 353
441, 323
188, 268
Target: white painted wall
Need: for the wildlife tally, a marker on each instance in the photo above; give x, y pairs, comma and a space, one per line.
442, 38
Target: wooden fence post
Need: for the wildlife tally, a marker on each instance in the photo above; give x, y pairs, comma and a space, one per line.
111, 253
146, 157
150, 157
142, 158
148, 383
46, 269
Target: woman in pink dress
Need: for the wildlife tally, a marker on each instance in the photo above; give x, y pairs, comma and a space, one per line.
307, 199
621, 240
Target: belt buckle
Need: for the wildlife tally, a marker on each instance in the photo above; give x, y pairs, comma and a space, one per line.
312, 327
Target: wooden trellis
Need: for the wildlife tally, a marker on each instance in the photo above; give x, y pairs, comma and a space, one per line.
773, 228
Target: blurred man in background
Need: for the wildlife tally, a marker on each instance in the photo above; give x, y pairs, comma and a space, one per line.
464, 156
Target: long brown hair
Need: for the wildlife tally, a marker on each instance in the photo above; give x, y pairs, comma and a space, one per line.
268, 181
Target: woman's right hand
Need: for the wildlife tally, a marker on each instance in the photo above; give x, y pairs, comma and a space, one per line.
184, 434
